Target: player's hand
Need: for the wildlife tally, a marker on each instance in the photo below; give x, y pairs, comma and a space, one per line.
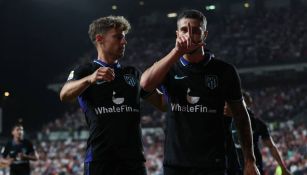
185, 43
102, 74
251, 169
6, 162
285, 171
21, 156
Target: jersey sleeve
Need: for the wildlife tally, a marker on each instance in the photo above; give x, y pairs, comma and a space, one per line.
263, 129
80, 72
30, 148
5, 150
232, 85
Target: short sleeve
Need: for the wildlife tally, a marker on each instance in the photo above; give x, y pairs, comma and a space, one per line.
5, 150
232, 85
80, 72
30, 148
263, 129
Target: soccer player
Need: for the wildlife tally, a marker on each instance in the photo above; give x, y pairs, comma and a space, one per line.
260, 130
197, 86
18, 152
109, 95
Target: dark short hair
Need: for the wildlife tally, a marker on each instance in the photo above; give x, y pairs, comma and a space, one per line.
193, 14
16, 125
103, 24
247, 96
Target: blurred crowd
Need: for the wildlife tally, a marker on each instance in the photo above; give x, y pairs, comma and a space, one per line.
280, 103
273, 37
291, 140
276, 36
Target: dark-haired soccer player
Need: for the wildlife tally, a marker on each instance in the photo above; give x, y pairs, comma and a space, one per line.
109, 95
260, 130
18, 152
197, 86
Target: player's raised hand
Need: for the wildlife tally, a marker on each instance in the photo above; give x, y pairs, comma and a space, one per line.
102, 74
185, 43
285, 171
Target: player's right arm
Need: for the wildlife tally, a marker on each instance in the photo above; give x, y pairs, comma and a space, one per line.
154, 75
72, 89
5, 162
157, 100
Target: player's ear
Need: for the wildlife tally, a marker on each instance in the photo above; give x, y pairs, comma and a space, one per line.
99, 38
205, 34
177, 33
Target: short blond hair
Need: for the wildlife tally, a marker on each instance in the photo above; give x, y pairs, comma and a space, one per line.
103, 24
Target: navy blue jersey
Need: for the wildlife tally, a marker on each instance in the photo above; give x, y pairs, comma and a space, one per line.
112, 113
259, 129
196, 93
12, 149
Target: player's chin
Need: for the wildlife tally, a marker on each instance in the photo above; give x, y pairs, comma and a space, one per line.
193, 51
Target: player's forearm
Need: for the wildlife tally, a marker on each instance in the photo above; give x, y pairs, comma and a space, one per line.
73, 89
245, 134
277, 156
157, 100
154, 75
30, 157
5, 160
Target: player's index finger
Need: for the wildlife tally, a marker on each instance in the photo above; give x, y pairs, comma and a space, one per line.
189, 29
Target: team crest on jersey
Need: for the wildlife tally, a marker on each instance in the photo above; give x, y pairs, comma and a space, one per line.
130, 79
211, 81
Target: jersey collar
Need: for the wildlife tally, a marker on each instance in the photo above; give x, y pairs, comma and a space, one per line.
207, 57
103, 64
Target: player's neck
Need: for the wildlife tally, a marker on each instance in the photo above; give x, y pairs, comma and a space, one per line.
17, 140
196, 56
106, 58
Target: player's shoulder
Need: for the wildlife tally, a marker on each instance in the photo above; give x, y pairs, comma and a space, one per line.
81, 70
221, 63
86, 66
9, 143
26, 141
260, 121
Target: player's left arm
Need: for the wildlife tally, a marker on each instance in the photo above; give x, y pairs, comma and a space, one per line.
268, 141
241, 118
243, 125
31, 154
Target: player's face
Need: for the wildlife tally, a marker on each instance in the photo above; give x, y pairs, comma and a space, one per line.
198, 31
18, 132
114, 43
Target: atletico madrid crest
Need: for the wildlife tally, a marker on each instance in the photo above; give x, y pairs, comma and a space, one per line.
130, 79
211, 81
